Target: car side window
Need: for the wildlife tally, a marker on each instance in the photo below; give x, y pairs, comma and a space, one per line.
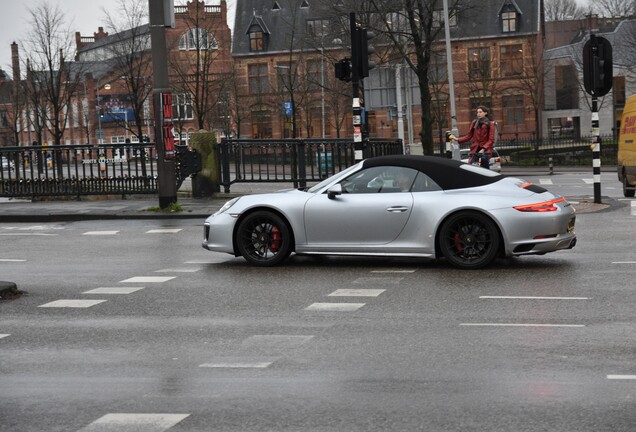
424, 183
388, 180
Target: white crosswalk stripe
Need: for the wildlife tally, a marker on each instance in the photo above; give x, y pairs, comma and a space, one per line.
72, 303
134, 422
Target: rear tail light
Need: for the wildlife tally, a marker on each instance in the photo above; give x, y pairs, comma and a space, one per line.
545, 206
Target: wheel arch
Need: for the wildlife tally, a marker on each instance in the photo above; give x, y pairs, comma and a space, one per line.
262, 208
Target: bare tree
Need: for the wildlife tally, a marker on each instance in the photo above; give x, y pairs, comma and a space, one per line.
412, 27
193, 64
130, 61
615, 8
52, 80
561, 10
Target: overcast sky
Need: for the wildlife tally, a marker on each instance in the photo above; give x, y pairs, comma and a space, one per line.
84, 16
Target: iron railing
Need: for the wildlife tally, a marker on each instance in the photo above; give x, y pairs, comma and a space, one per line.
294, 161
77, 170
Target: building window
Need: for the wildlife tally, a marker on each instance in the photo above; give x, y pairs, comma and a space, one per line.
261, 123
618, 89
286, 76
317, 27
314, 75
511, 60
198, 39
513, 110
438, 67
4, 119
479, 63
476, 101
567, 90
258, 78
438, 18
182, 106
509, 21
256, 41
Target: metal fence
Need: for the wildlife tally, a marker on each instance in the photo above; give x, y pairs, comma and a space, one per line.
294, 161
559, 151
77, 170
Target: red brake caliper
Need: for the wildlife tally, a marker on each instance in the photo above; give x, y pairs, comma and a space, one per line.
458, 243
276, 239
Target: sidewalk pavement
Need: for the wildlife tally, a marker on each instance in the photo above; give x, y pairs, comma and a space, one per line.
63, 209
56, 209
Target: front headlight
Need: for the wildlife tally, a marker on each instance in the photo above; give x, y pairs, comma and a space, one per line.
227, 205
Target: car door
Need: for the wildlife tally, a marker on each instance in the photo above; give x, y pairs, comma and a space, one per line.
365, 214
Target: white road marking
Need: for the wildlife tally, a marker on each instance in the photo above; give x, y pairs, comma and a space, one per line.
545, 181
148, 279
393, 271
11, 260
164, 231
213, 261
518, 325
588, 181
28, 234
72, 303
4, 335
621, 377
346, 292
97, 233
335, 307
237, 365
276, 341
623, 262
533, 298
132, 422
113, 290
181, 270
378, 280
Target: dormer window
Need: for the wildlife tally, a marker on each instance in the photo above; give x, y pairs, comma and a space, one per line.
509, 22
258, 34
509, 16
256, 41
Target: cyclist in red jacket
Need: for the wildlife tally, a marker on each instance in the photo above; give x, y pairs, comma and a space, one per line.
482, 137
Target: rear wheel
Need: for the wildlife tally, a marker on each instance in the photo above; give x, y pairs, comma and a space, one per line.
469, 240
627, 193
263, 239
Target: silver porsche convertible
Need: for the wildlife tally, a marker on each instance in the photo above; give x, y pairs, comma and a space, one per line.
415, 206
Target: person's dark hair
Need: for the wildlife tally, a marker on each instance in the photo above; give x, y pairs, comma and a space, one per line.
484, 109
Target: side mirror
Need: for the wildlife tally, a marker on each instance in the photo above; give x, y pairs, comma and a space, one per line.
334, 191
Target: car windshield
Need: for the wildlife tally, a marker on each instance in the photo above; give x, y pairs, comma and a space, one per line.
333, 178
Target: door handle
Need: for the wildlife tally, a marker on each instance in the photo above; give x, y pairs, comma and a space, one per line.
397, 209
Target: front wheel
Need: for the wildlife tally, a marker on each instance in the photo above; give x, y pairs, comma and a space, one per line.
263, 239
469, 240
627, 193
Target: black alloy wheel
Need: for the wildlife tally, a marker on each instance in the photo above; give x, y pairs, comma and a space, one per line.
469, 240
263, 239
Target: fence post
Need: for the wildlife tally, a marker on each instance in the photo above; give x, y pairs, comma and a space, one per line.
302, 160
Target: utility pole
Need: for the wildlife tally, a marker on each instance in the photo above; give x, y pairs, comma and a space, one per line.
162, 96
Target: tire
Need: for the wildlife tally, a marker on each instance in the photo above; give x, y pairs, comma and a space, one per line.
469, 240
627, 193
263, 239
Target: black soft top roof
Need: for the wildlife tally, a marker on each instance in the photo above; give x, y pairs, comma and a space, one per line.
445, 172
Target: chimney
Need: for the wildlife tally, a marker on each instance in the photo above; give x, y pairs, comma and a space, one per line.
15, 62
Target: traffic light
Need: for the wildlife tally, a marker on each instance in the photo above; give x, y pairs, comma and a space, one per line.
360, 51
598, 72
343, 70
365, 50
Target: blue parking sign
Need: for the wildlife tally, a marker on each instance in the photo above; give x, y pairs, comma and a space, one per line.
287, 108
